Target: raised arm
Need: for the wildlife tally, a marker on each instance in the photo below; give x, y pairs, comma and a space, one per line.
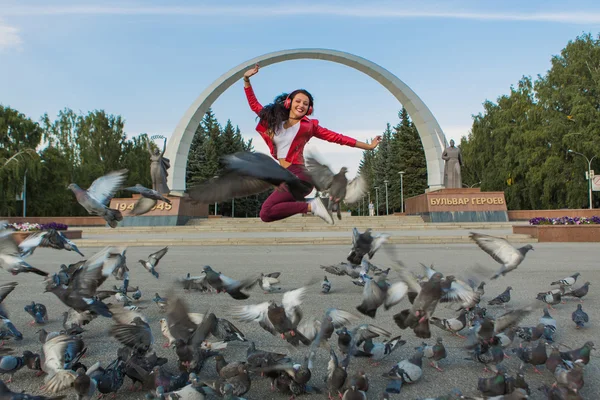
148, 147
164, 148
250, 96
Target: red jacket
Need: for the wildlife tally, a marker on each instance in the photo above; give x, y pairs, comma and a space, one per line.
308, 128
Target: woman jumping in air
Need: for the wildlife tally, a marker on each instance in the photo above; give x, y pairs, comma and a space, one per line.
285, 127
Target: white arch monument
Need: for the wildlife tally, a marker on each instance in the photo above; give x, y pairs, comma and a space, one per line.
429, 130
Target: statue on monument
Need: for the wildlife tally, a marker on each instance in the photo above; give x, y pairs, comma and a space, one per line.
158, 167
453, 161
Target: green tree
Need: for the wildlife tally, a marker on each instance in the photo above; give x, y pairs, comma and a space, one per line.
19, 137
520, 143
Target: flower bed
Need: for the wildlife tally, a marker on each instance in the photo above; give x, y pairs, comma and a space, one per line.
27, 227
595, 220
562, 229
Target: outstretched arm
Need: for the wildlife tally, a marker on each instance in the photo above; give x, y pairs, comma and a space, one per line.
369, 146
252, 100
334, 137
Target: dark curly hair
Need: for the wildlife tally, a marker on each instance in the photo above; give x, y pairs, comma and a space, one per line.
274, 114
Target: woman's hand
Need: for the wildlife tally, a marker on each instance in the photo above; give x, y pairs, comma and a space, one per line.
375, 142
252, 71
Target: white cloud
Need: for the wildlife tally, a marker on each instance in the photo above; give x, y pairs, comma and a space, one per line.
9, 37
391, 11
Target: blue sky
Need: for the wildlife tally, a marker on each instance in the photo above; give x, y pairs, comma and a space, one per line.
149, 60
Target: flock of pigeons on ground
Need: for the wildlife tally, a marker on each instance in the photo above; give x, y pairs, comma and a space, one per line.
196, 338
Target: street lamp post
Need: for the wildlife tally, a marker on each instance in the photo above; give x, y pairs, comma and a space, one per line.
387, 211
401, 191
215, 201
376, 200
25, 194
589, 160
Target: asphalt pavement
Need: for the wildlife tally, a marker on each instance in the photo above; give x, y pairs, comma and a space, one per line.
298, 265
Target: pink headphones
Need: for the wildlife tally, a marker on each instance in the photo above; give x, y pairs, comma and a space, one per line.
288, 103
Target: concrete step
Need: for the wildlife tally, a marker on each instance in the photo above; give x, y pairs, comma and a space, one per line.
281, 241
321, 227
306, 219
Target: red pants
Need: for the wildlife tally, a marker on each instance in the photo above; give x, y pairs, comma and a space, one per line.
281, 204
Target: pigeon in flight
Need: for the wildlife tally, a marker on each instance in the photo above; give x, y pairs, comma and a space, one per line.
365, 243
50, 238
153, 260
98, 195
245, 174
10, 256
337, 185
501, 251
148, 199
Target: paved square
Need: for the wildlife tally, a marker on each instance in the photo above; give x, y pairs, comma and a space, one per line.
548, 262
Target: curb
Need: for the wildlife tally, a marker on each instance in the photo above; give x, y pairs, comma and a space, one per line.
289, 241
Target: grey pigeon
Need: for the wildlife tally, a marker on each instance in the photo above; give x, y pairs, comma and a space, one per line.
435, 353
380, 350
342, 269
573, 377
551, 297
533, 355
153, 259
547, 320
321, 330
336, 373
502, 298
246, 174
336, 185
349, 340
5, 290
380, 292
405, 371
223, 283
428, 295
148, 199
494, 386
353, 392
60, 354
556, 392
275, 319
97, 197
10, 256
452, 325
51, 238
84, 386
580, 292
137, 335
553, 360
531, 334
582, 353
568, 281
325, 285
580, 317
501, 251
81, 293
38, 311
365, 244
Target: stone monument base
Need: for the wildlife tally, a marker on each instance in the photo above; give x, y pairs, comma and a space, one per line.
179, 212
458, 205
